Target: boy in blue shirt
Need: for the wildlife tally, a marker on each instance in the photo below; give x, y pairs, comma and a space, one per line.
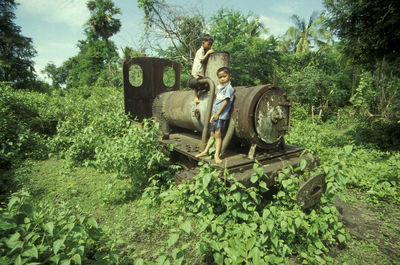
220, 113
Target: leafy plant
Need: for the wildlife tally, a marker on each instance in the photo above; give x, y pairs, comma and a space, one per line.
42, 234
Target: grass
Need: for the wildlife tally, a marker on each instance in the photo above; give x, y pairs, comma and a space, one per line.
138, 227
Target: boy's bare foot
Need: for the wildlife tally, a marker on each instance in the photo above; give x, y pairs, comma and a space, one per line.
202, 154
218, 160
196, 100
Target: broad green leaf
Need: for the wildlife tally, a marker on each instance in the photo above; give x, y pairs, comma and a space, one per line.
92, 221
326, 209
348, 149
139, 262
270, 224
173, 238
18, 260
77, 259
49, 227
284, 225
65, 262
12, 201
303, 164
254, 178
13, 240
218, 258
57, 245
7, 224
206, 180
30, 252
237, 196
297, 222
250, 243
319, 244
187, 227
341, 238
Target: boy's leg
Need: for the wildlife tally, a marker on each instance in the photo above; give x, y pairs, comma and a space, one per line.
196, 96
218, 144
209, 143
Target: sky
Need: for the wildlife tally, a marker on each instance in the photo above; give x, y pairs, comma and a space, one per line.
56, 26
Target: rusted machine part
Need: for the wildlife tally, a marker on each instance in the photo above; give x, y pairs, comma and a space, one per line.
261, 115
178, 109
311, 191
138, 100
207, 117
228, 136
215, 61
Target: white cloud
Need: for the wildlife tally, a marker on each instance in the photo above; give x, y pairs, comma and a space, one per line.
275, 26
71, 12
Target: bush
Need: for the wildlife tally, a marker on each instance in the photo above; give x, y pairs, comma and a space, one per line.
41, 234
137, 154
26, 121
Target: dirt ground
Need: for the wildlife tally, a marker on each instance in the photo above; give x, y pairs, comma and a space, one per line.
374, 230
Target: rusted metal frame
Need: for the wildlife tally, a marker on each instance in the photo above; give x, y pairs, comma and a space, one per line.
211, 96
138, 100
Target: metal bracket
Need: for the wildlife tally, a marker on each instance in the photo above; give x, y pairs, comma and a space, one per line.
252, 151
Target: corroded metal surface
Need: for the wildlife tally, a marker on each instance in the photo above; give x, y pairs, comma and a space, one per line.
271, 116
139, 100
215, 61
311, 191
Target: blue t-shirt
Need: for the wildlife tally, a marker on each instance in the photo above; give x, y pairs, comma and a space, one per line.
223, 93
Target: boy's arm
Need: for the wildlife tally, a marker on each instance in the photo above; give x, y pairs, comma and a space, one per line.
206, 55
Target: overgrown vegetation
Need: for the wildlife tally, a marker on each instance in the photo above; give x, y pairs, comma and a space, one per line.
81, 183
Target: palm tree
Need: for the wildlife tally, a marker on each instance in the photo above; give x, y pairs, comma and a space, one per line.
302, 36
102, 20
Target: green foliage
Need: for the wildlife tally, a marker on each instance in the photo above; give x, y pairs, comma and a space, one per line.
41, 234
363, 25
26, 119
102, 20
316, 79
238, 224
302, 37
94, 130
137, 154
354, 155
252, 57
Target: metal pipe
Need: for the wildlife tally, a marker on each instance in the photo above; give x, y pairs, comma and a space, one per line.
211, 95
228, 135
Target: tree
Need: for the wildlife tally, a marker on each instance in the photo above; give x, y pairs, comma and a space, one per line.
85, 68
301, 37
371, 35
16, 51
252, 57
175, 24
102, 20
370, 29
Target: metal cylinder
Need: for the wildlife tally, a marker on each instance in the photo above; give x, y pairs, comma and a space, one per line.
260, 114
215, 61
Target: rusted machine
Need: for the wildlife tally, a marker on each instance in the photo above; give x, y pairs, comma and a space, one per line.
260, 118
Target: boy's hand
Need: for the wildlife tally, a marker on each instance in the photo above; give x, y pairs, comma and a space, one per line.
212, 117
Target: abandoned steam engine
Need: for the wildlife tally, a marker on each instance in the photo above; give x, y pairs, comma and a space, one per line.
260, 118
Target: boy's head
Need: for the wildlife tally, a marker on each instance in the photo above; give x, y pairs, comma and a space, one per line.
206, 42
224, 75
